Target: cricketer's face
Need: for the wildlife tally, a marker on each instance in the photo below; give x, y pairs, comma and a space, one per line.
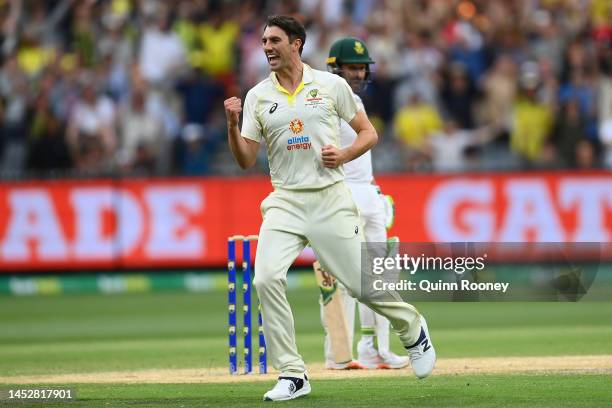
354, 74
279, 51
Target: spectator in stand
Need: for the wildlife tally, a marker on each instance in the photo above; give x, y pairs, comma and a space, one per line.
162, 54
580, 89
32, 56
459, 96
199, 96
413, 124
606, 140
15, 91
467, 46
532, 120
219, 39
604, 83
84, 33
416, 121
141, 136
570, 129
449, 149
548, 42
499, 91
421, 62
253, 62
48, 150
91, 127
196, 154
116, 48
586, 158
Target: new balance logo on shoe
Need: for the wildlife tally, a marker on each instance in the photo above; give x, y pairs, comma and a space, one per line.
425, 344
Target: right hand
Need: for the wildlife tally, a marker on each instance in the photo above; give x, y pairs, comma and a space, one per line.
233, 107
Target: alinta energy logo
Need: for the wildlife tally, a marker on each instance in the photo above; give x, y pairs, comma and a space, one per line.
298, 142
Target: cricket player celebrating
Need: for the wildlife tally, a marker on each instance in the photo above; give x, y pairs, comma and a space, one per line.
297, 110
349, 58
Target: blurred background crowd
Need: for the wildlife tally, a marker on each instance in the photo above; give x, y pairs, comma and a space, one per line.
136, 87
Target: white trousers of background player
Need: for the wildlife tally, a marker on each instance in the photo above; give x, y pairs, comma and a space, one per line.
372, 214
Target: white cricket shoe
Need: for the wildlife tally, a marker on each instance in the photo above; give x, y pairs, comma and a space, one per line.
422, 353
288, 388
390, 360
351, 365
367, 355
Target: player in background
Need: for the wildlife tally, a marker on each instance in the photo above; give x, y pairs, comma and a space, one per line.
349, 58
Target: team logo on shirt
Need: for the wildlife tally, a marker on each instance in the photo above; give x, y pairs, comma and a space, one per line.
298, 142
296, 126
314, 98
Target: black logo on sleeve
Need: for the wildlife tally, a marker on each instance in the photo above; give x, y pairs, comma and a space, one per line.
273, 107
356, 230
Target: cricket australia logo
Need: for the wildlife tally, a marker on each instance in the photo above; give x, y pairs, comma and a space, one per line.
328, 287
314, 98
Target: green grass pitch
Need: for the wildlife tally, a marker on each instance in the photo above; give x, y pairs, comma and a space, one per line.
96, 333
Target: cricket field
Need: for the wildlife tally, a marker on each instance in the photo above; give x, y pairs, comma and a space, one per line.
169, 348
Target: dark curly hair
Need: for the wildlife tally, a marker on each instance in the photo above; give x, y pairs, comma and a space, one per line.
291, 26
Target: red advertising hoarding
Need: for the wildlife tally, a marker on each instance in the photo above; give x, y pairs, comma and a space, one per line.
165, 223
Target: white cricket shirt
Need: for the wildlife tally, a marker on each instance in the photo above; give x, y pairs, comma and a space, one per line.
296, 127
359, 170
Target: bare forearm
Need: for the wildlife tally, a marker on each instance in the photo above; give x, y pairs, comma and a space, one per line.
241, 149
366, 139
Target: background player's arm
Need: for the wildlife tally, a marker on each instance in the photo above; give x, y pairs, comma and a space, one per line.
243, 149
366, 139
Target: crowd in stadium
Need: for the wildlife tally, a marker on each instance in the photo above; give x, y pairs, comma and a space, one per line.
136, 87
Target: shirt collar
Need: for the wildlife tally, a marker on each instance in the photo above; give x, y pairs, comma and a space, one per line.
307, 75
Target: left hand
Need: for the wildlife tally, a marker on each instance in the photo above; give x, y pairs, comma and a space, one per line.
332, 156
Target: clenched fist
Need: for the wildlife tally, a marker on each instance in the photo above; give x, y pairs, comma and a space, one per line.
233, 107
332, 156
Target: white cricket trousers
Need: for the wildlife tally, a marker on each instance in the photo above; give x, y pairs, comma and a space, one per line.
328, 219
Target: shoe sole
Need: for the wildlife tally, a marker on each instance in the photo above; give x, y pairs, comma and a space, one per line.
384, 366
353, 365
372, 366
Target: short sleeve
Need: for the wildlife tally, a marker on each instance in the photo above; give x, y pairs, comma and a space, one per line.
251, 126
345, 102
